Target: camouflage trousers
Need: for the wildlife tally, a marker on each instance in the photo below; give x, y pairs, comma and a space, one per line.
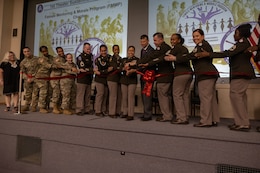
68, 92
28, 92
56, 92
40, 89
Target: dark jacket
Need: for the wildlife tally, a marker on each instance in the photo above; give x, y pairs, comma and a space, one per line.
85, 61
102, 65
132, 78
239, 60
203, 67
114, 62
182, 64
165, 68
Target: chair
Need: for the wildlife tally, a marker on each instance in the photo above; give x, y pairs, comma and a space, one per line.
93, 98
195, 99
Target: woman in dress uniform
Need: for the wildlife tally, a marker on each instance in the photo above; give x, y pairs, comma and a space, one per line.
206, 75
128, 82
101, 71
182, 79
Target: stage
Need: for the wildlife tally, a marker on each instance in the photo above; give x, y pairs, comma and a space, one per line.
80, 144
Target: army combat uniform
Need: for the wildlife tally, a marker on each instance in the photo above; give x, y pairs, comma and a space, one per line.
28, 68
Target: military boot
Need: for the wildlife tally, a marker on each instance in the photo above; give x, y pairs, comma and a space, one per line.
67, 112
56, 110
25, 108
42, 110
33, 109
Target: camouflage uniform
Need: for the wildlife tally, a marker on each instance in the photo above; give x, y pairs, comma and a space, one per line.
56, 71
67, 86
28, 68
42, 85
50, 88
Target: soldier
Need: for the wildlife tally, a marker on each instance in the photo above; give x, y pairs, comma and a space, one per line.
128, 82
84, 80
41, 83
67, 84
56, 71
113, 84
102, 69
28, 68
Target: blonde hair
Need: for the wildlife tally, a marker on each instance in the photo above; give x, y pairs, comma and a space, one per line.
6, 56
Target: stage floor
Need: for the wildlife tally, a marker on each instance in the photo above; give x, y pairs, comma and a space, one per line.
72, 143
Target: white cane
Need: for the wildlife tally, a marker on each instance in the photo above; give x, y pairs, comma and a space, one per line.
20, 94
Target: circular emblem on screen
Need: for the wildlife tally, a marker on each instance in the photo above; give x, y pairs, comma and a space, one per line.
67, 35
39, 8
95, 44
213, 18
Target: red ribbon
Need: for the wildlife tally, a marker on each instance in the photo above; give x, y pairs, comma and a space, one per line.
149, 78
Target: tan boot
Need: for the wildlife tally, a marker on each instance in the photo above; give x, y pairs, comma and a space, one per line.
33, 109
25, 108
56, 110
67, 112
42, 110
73, 111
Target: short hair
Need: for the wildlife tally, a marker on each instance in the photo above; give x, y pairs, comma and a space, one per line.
26, 47
199, 31
43, 47
69, 54
131, 47
115, 45
144, 36
244, 30
103, 45
58, 48
158, 34
86, 44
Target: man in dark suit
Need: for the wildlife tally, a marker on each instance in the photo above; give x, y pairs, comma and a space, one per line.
147, 49
165, 75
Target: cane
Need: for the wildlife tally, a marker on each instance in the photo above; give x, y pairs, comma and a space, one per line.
20, 94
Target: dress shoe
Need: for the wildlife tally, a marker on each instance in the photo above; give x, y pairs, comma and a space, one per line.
244, 128
258, 129
161, 119
112, 116
99, 114
124, 116
202, 125
79, 114
232, 126
129, 118
214, 124
146, 118
105, 114
178, 121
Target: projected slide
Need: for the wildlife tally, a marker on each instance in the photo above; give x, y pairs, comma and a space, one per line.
71, 23
216, 18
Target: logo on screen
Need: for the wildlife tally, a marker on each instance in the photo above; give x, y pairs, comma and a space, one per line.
214, 18
40, 8
95, 44
67, 35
